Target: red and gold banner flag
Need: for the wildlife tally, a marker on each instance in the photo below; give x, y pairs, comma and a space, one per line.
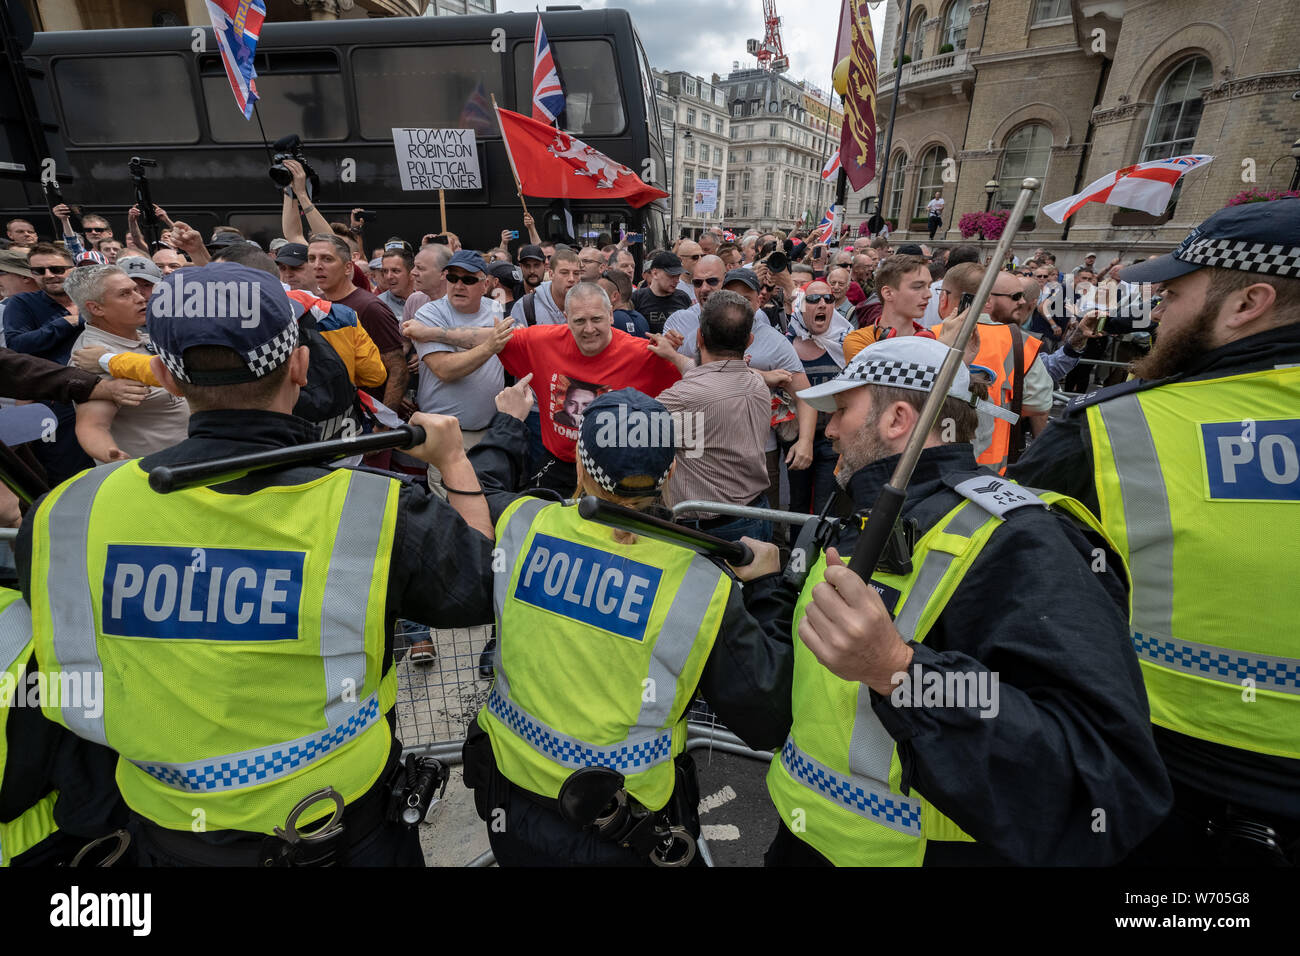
855, 81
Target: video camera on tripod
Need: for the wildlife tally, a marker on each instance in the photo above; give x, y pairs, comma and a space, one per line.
150, 224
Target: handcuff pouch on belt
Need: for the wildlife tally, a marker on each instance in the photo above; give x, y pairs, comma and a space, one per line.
595, 798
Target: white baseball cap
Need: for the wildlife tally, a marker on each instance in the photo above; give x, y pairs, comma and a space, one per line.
909, 361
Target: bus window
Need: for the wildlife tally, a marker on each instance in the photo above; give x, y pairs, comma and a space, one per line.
434, 87
592, 106
298, 92
260, 227
127, 100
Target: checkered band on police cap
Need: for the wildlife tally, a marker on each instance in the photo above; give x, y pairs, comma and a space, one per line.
913, 375
609, 483
1241, 254
269, 356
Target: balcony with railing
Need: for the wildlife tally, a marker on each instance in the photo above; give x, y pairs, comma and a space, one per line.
931, 74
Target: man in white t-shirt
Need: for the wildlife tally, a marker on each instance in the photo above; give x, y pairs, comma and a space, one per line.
462, 383
935, 209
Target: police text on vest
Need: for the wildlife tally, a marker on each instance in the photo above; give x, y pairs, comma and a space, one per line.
1264, 466
588, 585
231, 595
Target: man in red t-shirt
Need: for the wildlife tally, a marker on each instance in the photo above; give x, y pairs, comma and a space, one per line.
573, 363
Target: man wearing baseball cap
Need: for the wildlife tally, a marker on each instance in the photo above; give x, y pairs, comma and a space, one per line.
981, 688
1194, 469
574, 663
243, 632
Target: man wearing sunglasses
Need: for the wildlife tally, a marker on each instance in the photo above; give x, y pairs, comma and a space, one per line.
690, 253
45, 324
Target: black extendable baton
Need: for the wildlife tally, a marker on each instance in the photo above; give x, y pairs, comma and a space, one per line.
735, 553
889, 504
22, 481
168, 478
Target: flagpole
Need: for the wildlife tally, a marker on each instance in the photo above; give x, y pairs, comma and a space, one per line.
893, 110
267, 146
509, 155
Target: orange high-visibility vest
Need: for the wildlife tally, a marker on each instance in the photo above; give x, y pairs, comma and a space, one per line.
995, 354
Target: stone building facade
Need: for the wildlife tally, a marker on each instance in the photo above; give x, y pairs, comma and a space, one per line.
696, 131
1068, 90
783, 132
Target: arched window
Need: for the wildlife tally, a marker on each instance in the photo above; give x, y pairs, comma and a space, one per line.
1027, 152
930, 180
896, 187
1177, 112
918, 35
955, 21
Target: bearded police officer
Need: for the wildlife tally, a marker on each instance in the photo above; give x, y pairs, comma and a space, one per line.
604, 636
244, 631
1194, 470
978, 702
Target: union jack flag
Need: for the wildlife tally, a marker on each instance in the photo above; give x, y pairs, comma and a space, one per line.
237, 24
477, 112
548, 94
825, 229
728, 236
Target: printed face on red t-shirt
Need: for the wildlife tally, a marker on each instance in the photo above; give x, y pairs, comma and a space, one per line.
566, 381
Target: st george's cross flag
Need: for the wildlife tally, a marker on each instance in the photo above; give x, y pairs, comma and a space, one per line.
1144, 186
548, 94
832, 165
237, 24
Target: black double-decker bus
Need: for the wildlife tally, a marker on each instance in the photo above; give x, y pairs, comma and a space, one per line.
105, 96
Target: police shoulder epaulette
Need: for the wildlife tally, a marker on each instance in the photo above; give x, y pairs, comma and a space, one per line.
998, 496
1098, 395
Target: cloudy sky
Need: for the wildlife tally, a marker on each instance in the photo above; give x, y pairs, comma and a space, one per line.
705, 37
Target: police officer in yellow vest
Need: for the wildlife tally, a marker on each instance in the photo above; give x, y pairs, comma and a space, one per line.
978, 702
604, 637
56, 791
244, 631
1194, 469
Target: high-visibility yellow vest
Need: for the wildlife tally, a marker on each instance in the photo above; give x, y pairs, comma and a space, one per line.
1198, 483
837, 782
240, 638
29, 828
600, 646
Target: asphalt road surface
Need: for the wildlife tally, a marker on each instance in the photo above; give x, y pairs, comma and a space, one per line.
737, 819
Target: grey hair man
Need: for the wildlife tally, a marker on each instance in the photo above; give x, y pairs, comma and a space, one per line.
115, 313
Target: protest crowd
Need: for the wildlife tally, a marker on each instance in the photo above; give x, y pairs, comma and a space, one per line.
783, 373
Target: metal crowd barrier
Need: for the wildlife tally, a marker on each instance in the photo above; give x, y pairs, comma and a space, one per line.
740, 511
8, 534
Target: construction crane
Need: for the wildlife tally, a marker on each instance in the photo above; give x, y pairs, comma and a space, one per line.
769, 51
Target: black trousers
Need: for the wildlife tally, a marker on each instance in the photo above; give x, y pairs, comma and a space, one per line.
788, 850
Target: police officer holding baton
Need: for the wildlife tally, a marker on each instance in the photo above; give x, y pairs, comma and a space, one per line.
243, 632
604, 636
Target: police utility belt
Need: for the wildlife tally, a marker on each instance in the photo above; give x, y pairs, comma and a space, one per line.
407, 794
595, 800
